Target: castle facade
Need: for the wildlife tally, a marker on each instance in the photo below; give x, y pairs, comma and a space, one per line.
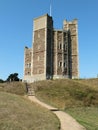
54, 53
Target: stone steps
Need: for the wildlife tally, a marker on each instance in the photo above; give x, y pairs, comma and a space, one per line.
31, 91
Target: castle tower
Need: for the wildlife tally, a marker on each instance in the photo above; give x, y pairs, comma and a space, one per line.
42, 48
73, 63
27, 64
60, 54
54, 53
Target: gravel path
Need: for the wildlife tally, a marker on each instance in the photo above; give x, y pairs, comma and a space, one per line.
67, 122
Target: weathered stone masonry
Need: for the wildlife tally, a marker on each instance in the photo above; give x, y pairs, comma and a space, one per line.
54, 53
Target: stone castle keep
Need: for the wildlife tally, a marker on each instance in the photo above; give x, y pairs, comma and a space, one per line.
54, 53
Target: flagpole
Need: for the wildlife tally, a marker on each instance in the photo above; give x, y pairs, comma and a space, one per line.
50, 8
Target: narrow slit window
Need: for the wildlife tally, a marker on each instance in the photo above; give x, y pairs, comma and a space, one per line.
60, 64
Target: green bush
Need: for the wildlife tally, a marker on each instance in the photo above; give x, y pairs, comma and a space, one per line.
1, 81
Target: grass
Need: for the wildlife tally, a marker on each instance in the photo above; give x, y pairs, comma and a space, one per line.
87, 116
77, 97
13, 87
18, 113
66, 93
93, 83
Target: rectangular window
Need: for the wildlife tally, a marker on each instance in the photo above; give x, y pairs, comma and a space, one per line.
60, 64
59, 45
64, 64
28, 65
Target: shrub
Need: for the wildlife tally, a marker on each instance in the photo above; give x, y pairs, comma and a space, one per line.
1, 81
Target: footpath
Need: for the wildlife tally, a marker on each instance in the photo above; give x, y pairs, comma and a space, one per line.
67, 122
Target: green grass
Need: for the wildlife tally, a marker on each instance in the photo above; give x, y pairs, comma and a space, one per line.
87, 116
77, 97
18, 113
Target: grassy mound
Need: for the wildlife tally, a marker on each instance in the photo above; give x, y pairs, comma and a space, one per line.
13, 87
77, 97
66, 93
17, 113
93, 83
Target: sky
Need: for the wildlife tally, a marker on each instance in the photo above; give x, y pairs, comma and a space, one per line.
16, 26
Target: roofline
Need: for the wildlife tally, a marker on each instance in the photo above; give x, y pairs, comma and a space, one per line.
42, 16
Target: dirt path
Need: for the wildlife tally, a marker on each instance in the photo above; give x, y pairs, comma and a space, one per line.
67, 122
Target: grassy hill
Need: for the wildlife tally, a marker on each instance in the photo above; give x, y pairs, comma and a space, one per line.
67, 93
18, 113
77, 97
13, 87
93, 83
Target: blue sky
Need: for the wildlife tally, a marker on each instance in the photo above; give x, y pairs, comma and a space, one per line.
16, 25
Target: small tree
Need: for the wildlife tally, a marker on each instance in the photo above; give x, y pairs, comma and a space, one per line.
1, 81
13, 77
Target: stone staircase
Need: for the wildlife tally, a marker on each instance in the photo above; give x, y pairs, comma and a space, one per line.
30, 90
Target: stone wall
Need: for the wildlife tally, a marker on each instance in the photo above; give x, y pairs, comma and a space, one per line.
27, 63
42, 46
74, 48
60, 53
39, 52
71, 27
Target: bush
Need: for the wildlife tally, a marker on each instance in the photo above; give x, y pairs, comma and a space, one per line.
13, 77
1, 81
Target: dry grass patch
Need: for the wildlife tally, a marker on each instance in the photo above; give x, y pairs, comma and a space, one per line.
93, 83
66, 93
18, 113
13, 87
